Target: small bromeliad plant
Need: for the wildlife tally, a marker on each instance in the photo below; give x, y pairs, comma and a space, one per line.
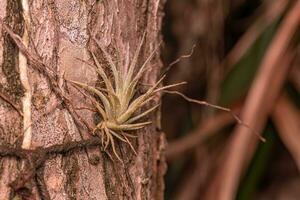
119, 105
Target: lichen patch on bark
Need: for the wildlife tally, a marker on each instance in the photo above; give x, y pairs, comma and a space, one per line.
10, 51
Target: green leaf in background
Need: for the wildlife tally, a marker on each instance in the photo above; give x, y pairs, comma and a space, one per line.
239, 79
236, 86
258, 166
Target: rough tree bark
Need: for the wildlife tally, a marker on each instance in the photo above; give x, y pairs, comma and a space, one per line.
60, 31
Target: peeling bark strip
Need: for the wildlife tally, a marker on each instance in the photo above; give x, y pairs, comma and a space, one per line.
59, 40
26, 100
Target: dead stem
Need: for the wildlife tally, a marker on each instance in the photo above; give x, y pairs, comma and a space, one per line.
237, 119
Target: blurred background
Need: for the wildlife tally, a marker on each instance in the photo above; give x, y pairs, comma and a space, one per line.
243, 55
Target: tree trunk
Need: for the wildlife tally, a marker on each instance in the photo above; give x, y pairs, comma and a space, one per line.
60, 33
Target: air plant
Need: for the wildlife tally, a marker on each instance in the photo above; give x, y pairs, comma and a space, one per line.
119, 105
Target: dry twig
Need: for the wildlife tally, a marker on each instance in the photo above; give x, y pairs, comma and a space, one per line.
228, 110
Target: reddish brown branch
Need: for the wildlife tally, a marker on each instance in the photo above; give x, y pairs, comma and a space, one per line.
196, 137
272, 12
262, 94
287, 120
